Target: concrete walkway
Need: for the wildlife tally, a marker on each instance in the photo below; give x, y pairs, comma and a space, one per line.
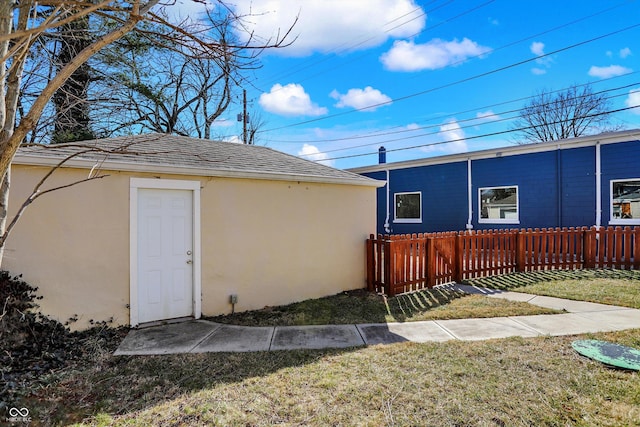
201, 336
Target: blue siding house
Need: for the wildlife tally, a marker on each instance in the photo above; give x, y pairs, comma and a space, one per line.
586, 181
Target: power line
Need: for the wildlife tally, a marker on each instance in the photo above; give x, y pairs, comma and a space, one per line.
440, 131
270, 80
431, 28
346, 47
477, 136
477, 76
437, 25
377, 134
443, 116
537, 35
386, 142
474, 119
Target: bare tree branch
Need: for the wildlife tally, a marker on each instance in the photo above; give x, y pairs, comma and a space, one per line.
31, 27
550, 116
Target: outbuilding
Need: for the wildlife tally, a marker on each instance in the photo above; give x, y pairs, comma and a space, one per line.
181, 227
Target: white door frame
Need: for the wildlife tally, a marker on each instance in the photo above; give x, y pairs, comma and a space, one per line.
136, 184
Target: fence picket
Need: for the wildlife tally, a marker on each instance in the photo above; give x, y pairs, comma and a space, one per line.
626, 248
404, 263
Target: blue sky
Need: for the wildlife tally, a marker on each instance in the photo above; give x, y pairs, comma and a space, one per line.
439, 76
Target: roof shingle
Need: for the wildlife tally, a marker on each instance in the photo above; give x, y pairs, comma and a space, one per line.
172, 151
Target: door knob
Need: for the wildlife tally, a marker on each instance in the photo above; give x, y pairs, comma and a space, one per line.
189, 261
188, 252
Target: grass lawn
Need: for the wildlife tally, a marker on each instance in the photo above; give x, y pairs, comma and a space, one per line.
507, 382
614, 287
364, 307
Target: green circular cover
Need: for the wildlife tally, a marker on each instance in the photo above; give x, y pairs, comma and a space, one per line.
611, 354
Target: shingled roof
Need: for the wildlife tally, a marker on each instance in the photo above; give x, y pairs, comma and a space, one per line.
187, 156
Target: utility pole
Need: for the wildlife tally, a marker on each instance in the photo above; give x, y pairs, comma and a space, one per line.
244, 117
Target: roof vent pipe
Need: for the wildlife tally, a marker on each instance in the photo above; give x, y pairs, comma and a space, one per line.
382, 155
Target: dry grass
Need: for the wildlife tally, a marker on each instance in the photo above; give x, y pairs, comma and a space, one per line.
364, 307
508, 382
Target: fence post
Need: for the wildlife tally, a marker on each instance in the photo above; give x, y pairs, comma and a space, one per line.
370, 263
520, 251
387, 265
589, 249
457, 256
636, 247
431, 264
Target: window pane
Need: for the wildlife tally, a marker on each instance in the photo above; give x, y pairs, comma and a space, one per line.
499, 203
626, 200
408, 206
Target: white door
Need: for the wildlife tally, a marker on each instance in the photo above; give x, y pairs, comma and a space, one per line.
165, 254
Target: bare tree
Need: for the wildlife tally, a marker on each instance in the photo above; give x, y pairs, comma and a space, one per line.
137, 84
164, 91
23, 26
256, 121
574, 112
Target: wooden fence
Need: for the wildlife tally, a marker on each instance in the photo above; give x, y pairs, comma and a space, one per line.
404, 263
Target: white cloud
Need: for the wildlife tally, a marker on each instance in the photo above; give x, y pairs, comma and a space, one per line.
311, 152
186, 9
633, 100
453, 133
290, 100
361, 98
223, 123
494, 21
625, 52
235, 139
610, 71
408, 56
488, 116
537, 48
328, 25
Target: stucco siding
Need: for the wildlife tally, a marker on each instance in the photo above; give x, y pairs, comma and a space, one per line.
73, 244
272, 243
269, 242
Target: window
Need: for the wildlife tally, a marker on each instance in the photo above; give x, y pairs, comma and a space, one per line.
408, 207
625, 202
499, 205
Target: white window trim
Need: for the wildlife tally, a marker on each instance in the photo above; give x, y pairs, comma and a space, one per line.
136, 184
498, 220
620, 221
406, 220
